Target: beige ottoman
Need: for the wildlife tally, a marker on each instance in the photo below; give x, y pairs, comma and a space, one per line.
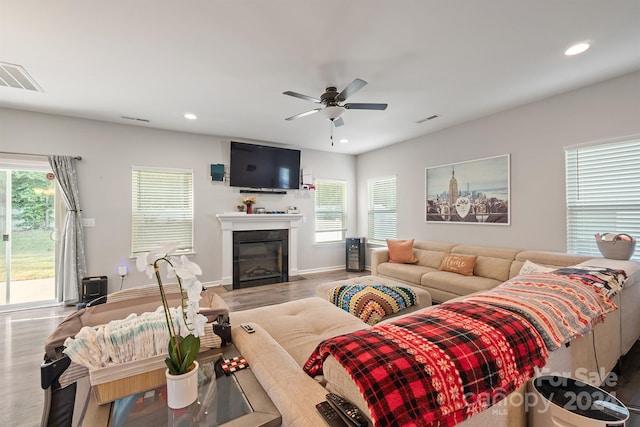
423, 297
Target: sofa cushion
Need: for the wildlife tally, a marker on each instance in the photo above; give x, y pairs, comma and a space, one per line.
434, 246
429, 258
409, 273
492, 262
401, 251
300, 325
461, 264
457, 283
292, 391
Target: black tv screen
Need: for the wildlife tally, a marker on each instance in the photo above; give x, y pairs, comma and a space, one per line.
262, 166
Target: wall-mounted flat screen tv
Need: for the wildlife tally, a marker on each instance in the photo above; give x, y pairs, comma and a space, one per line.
263, 166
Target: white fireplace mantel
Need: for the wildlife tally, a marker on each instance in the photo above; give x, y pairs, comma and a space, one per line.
231, 222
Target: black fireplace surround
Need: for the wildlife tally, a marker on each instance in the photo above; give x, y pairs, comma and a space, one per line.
260, 257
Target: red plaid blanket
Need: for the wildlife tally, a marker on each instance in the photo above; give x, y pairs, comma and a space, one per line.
438, 367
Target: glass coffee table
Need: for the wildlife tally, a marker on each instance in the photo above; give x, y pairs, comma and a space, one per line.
236, 400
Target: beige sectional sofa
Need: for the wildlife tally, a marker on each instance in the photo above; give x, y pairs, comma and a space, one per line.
286, 334
493, 266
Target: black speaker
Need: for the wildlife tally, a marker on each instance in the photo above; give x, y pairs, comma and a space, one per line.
355, 254
94, 288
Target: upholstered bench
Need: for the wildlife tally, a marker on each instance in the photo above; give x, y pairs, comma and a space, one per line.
422, 300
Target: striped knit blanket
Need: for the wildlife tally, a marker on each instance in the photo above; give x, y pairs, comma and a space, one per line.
562, 305
371, 303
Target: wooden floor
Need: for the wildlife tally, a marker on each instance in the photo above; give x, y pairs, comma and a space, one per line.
22, 334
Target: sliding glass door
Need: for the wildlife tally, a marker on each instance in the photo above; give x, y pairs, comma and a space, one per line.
27, 250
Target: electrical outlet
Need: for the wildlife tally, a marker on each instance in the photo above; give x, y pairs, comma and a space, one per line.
88, 222
122, 270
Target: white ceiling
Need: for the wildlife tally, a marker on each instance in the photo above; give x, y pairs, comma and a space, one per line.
229, 61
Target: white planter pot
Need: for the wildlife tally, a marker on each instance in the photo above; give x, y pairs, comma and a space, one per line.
182, 390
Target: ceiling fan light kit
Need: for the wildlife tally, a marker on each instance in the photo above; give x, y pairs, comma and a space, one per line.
333, 112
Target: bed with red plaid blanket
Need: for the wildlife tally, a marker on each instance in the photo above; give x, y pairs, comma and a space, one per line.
438, 367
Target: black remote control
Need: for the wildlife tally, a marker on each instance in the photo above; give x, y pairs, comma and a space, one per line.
330, 415
347, 410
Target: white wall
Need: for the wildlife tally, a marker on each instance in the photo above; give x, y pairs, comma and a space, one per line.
110, 150
535, 135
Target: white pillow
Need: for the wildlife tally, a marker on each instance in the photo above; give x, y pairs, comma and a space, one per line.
531, 268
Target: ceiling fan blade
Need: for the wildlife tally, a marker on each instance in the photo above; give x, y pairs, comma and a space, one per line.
365, 106
338, 122
351, 88
307, 113
301, 96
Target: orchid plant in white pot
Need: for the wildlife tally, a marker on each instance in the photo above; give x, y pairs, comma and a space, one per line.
184, 342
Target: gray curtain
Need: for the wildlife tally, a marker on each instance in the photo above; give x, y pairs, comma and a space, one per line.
72, 266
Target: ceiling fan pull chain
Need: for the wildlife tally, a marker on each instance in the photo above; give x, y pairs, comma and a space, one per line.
331, 135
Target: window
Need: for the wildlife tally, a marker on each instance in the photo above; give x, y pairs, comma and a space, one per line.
603, 193
382, 216
331, 211
162, 208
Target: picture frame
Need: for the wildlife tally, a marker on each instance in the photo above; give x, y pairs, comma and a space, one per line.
470, 192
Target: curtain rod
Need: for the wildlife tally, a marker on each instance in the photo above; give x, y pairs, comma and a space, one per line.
31, 154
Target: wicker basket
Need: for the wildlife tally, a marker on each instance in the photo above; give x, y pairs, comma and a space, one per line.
617, 248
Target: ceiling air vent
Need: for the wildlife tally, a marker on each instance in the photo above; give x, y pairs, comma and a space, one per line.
435, 116
135, 119
12, 75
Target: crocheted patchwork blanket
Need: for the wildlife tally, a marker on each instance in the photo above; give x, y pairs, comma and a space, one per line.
371, 303
439, 366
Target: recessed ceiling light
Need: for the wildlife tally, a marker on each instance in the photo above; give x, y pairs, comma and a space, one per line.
190, 116
577, 49
344, 141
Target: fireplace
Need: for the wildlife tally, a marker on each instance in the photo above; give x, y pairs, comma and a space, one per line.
232, 222
260, 257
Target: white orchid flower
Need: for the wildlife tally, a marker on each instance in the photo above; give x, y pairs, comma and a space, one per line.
194, 289
144, 261
197, 323
142, 264
185, 269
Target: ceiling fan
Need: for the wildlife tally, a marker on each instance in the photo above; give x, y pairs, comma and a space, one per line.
332, 102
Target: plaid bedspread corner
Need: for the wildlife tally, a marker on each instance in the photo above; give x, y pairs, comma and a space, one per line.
438, 367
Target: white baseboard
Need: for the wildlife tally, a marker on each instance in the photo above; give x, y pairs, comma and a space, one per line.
326, 269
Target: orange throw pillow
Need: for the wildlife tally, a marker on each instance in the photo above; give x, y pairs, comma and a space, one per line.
461, 264
401, 251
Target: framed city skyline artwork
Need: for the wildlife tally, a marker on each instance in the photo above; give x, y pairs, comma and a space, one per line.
471, 192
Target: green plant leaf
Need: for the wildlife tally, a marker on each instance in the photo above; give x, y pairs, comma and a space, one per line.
189, 348
181, 353
173, 368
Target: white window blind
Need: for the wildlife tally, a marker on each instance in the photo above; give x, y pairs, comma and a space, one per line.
330, 211
382, 214
603, 193
162, 209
